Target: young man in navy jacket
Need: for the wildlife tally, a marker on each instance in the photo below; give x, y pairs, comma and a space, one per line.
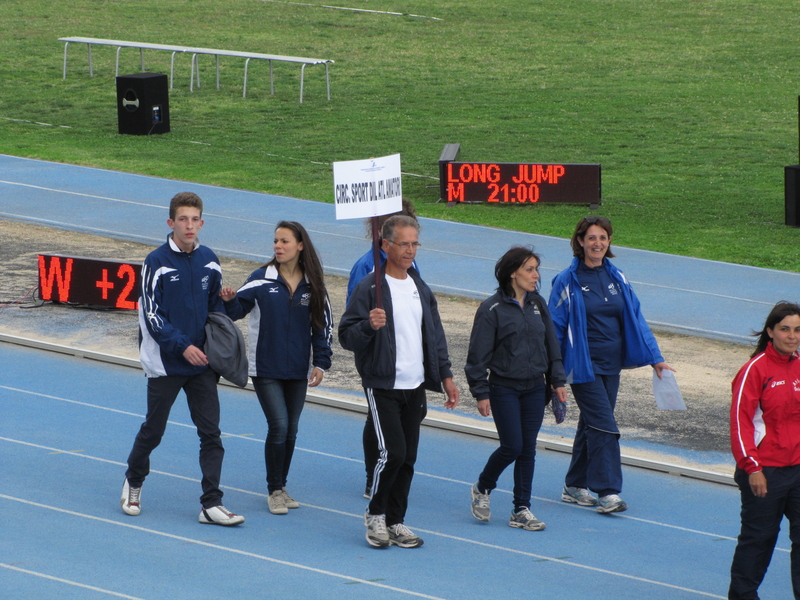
180, 285
400, 351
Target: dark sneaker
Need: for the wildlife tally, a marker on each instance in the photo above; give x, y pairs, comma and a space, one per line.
611, 503
377, 535
130, 500
576, 495
288, 501
276, 503
400, 535
480, 504
524, 519
219, 515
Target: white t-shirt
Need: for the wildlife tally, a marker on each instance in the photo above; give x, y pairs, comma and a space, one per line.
407, 314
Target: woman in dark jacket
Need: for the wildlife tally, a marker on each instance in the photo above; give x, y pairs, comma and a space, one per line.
513, 352
290, 315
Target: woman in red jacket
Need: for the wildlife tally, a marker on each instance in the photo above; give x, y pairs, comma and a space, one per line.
765, 441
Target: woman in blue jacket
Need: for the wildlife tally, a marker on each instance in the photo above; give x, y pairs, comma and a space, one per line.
290, 316
513, 353
601, 331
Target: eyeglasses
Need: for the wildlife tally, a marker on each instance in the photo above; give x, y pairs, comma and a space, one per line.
593, 219
406, 245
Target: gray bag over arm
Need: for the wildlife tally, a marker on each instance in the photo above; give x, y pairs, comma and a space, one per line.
225, 348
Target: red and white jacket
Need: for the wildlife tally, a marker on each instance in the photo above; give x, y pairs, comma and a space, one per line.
765, 412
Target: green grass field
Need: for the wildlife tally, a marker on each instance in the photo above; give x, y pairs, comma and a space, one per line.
690, 106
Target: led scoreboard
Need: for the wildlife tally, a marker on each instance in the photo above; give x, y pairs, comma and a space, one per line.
521, 183
78, 280
517, 183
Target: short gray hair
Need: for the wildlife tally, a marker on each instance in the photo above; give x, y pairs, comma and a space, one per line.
396, 222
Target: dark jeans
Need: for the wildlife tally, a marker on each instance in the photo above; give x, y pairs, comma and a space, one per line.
761, 523
201, 396
396, 415
282, 401
518, 416
596, 462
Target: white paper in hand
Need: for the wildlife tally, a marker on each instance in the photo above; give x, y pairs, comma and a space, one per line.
668, 395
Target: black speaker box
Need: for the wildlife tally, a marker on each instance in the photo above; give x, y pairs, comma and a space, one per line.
143, 103
792, 193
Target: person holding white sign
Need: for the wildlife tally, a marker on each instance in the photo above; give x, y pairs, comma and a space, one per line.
400, 352
365, 266
601, 329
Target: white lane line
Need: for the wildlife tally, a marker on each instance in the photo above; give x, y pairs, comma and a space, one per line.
700, 292
67, 581
250, 438
328, 233
430, 532
81, 194
360, 517
220, 547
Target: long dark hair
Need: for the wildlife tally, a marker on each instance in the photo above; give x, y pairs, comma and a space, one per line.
508, 265
312, 268
778, 313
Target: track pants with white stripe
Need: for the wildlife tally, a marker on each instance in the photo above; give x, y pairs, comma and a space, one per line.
396, 415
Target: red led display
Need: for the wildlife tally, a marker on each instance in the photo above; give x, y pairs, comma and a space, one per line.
88, 281
522, 183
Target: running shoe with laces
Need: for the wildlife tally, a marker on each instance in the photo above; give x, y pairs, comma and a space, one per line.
480, 504
400, 535
131, 499
276, 503
611, 503
377, 534
288, 500
579, 496
219, 515
524, 519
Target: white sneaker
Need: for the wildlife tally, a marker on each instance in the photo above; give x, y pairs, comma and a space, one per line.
579, 496
377, 534
480, 504
276, 503
611, 503
219, 515
288, 500
524, 519
130, 500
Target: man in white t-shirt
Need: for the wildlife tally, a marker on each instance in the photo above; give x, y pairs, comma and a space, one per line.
400, 352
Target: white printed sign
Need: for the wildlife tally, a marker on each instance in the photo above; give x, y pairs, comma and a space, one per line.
367, 188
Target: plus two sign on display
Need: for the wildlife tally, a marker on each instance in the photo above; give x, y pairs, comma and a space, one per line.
76, 280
